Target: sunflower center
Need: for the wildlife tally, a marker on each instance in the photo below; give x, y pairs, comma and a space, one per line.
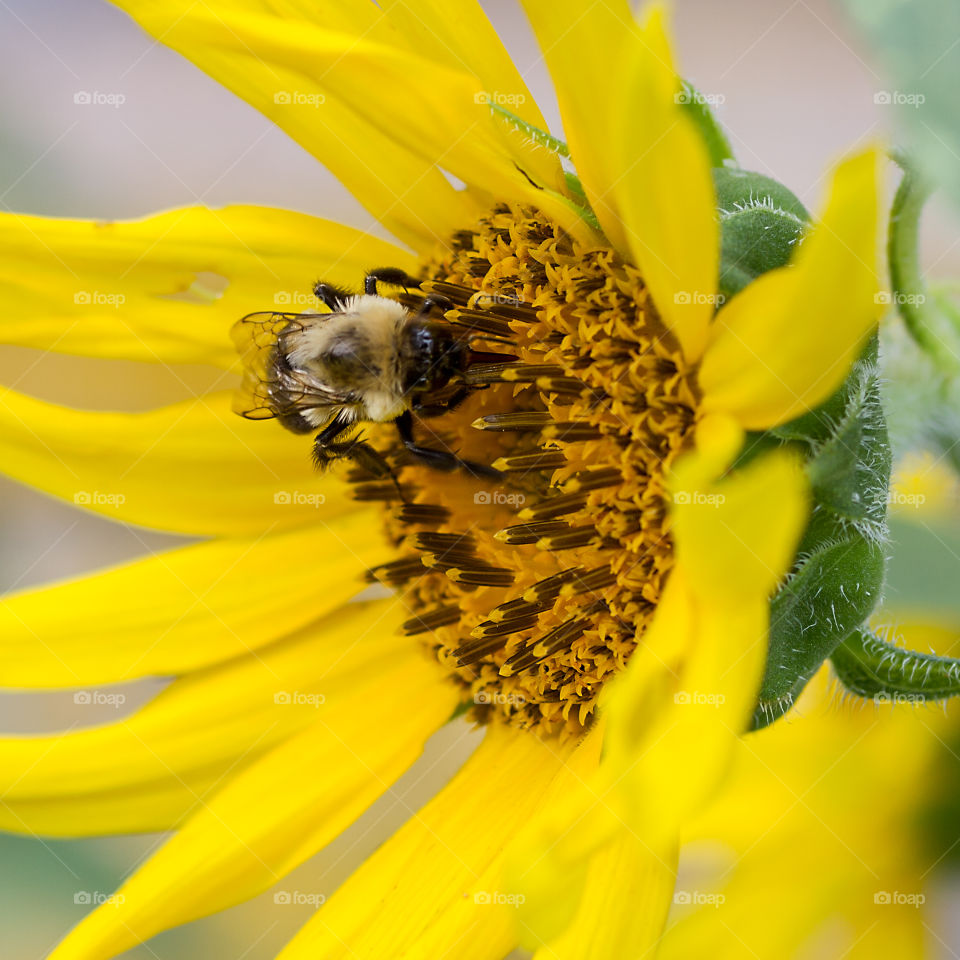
534, 590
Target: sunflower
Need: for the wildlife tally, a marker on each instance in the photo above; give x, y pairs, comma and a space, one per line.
625, 561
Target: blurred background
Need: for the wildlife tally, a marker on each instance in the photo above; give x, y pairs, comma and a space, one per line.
796, 84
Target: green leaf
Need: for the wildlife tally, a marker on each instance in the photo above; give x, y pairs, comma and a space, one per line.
832, 592
930, 319
761, 222
872, 667
837, 578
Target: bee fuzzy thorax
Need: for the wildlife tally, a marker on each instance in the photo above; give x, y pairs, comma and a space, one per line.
354, 352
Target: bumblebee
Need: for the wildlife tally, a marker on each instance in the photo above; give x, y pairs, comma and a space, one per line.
370, 359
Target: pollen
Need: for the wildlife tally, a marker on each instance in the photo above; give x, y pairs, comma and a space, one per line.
535, 590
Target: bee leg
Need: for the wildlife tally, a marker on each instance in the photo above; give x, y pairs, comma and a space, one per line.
440, 459
392, 275
329, 295
438, 409
434, 302
326, 453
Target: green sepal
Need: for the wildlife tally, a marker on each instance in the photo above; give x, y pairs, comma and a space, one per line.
837, 578
540, 137
872, 667
697, 108
833, 591
761, 223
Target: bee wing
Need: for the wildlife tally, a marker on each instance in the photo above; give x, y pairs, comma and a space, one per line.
270, 387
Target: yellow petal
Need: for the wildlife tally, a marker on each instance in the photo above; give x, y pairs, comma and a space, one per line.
435, 881
806, 810
674, 714
583, 46
458, 34
548, 860
194, 467
441, 114
662, 188
642, 164
166, 289
405, 192
627, 895
184, 609
144, 772
279, 810
737, 537
785, 344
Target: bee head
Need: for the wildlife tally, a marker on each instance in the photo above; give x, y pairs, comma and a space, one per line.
430, 355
